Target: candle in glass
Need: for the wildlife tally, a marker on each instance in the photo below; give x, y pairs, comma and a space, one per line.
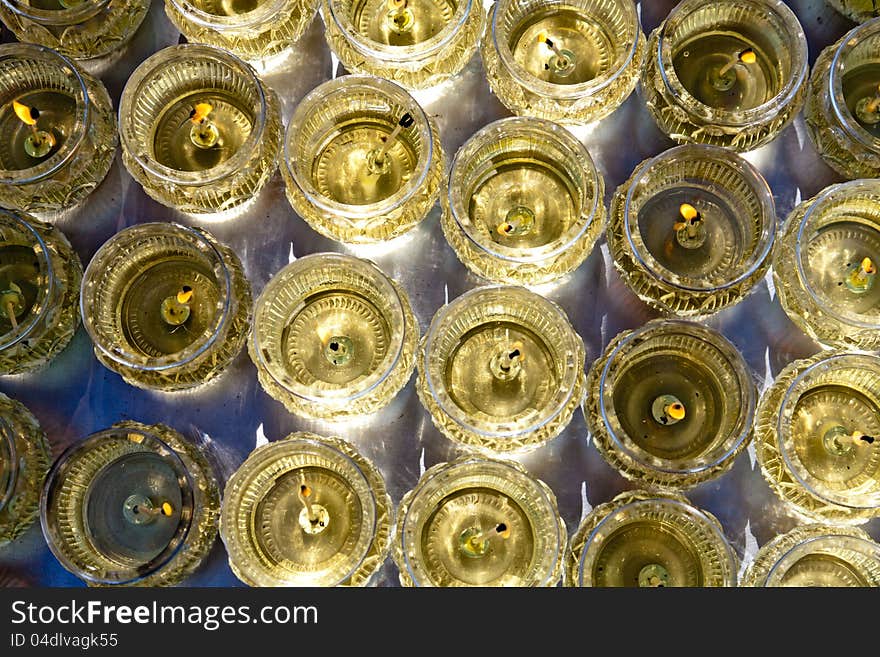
691, 231
817, 437
200, 131
251, 29
82, 29
671, 404
574, 61
24, 462
39, 292
167, 307
524, 202
415, 43
479, 522
133, 505
843, 106
57, 130
650, 541
333, 337
857, 10
825, 265
731, 74
306, 511
362, 160
817, 555
501, 369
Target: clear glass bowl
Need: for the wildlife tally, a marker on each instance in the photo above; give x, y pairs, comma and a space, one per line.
501, 369
650, 541
59, 160
573, 61
133, 505
200, 131
333, 337
670, 404
306, 511
815, 437
731, 74
342, 174
40, 278
857, 10
479, 522
167, 306
524, 203
692, 229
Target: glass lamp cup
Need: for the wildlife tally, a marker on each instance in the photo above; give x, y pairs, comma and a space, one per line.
691, 231
57, 130
415, 43
650, 541
524, 203
857, 10
479, 522
362, 160
40, 278
24, 462
333, 337
568, 62
730, 74
200, 131
306, 511
82, 29
167, 306
815, 437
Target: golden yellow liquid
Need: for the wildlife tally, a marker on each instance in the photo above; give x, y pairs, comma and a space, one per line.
414, 21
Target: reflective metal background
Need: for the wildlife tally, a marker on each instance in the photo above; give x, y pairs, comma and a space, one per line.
76, 396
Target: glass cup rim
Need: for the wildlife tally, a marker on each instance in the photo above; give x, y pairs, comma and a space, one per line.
847, 43
153, 66
824, 197
847, 360
47, 270
660, 327
260, 14
206, 244
341, 86
438, 389
566, 91
159, 447
53, 164
8, 439
757, 185
807, 545
398, 338
67, 16
418, 52
734, 118
523, 126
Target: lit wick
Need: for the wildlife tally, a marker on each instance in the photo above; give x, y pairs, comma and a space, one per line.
861, 279
668, 410
475, 541
140, 510
518, 221
314, 518
746, 56
861, 439
203, 134
868, 109
690, 233
562, 61
11, 303
405, 122
400, 15
305, 492
176, 310
40, 142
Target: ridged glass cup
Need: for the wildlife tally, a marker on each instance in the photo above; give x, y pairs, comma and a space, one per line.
479, 522
857, 10
200, 131
731, 74
415, 43
691, 231
825, 262
24, 462
650, 541
333, 337
306, 511
564, 61
343, 173
251, 29
817, 555
40, 276
843, 106
82, 29
501, 370
167, 306
524, 203
133, 505
53, 158
817, 437
670, 404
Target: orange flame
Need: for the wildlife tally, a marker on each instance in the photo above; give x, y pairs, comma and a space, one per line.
200, 112
23, 112
184, 295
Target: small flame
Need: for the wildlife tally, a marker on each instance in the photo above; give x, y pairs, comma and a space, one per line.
305, 490
503, 531
184, 295
868, 266
25, 113
200, 112
542, 37
748, 56
167, 509
676, 411
688, 212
